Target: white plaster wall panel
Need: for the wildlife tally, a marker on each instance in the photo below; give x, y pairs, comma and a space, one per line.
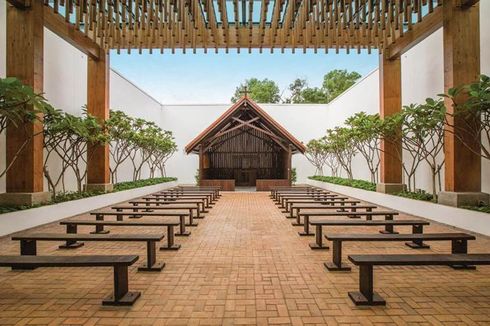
485, 69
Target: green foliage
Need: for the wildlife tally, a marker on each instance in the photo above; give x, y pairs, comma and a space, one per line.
68, 196
337, 81
294, 176
19, 103
482, 209
262, 91
471, 107
418, 195
360, 184
197, 176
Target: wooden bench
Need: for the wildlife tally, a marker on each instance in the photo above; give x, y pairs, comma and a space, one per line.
120, 263
329, 201
417, 227
28, 244
180, 191
343, 208
309, 191
459, 243
369, 216
72, 227
274, 190
205, 199
149, 201
149, 209
283, 199
99, 216
175, 194
366, 295
216, 190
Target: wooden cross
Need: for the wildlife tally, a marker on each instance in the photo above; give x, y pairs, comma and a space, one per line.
245, 91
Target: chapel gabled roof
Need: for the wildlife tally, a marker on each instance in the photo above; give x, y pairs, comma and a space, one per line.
235, 109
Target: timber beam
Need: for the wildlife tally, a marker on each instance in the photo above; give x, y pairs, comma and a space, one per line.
68, 32
431, 23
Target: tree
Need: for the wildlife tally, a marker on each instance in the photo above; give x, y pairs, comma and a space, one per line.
19, 107
119, 127
314, 95
296, 88
337, 81
365, 131
340, 141
316, 154
262, 91
471, 104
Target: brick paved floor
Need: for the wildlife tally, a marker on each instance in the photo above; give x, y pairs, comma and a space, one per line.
244, 264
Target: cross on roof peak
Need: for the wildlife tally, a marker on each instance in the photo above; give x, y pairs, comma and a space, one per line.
244, 92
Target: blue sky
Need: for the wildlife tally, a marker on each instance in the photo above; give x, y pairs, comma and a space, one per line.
212, 78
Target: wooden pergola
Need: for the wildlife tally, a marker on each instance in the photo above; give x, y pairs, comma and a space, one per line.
96, 26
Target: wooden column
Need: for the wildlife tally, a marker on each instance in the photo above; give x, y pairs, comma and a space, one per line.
25, 42
201, 165
461, 66
98, 176
390, 87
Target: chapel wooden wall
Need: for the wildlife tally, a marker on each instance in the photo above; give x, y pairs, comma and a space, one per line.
244, 150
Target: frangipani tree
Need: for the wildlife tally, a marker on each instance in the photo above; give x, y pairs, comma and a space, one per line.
340, 142
316, 153
365, 130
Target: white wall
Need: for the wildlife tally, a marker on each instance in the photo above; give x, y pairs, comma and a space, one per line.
422, 75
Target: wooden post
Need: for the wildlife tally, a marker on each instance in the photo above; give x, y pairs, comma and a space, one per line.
288, 165
390, 87
25, 42
98, 175
201, 165
461, 66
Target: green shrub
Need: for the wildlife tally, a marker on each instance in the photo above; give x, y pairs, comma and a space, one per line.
360, 184
68, 196
294, 176
418, 195
483, 209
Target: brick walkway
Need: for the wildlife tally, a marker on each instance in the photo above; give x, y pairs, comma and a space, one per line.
244, 264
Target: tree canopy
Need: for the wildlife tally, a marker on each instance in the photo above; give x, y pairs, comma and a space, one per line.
335, 83
262, 91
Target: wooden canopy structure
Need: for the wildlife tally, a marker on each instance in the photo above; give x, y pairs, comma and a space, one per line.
97, 26
261, 24
245, 146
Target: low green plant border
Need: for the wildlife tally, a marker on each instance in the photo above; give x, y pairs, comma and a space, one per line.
370, 186
69, 196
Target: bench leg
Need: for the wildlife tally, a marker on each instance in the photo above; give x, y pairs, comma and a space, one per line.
298, 219
191, 219
121, 296
306, 225
366, 295
99, 229
291, 211
198, 213
151, 259
182, 231
27, 248
318, 244
417, 244
71, 229
170, 240
460, 247
388, 228
336, 265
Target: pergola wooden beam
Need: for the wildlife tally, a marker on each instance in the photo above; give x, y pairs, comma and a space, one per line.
58, 25
465, 4
431, 23
20, 4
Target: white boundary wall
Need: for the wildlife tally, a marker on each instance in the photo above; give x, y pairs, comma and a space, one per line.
422, 74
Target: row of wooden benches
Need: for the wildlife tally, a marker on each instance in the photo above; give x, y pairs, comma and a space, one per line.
180, 202
322, 205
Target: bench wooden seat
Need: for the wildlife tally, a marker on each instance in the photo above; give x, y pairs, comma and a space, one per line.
28, 243
120, 263
366, 294
72, 227
281, 202
173, 208
205, 199
459, 243
343, 208
216, 189
99, 215
417, 227
369, 216
211, 193
340, 200
310, 192
171, 194
149, 201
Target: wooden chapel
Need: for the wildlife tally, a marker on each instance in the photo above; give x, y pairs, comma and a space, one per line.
245, 147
